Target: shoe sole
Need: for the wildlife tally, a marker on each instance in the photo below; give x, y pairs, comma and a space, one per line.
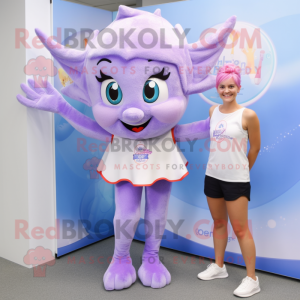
248, 295
216, 277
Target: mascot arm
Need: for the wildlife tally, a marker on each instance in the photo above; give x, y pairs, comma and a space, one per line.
192, 131
49, 99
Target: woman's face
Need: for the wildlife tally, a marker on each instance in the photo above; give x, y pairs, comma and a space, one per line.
228, 90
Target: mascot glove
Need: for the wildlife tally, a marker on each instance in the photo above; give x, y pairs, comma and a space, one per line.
48, 98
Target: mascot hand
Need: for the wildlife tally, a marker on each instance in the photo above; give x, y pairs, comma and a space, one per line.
47, 98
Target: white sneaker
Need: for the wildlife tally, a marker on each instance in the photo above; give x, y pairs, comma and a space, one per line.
247, 288
213, 271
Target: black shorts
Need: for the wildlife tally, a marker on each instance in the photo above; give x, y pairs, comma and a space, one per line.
216, 188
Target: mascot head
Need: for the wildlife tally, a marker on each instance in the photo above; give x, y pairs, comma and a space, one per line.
138, 72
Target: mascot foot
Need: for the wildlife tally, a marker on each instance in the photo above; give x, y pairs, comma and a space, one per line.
120, 274
153, 273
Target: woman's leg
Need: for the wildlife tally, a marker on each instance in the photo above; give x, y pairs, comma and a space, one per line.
217, 207
238, 214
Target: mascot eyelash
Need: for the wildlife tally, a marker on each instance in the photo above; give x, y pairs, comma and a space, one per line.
103, 77
161, 75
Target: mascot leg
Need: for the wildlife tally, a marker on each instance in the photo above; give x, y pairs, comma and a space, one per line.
152, 272
121, 273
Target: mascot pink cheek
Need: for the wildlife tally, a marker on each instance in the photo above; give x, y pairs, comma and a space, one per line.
105, 116
170, 111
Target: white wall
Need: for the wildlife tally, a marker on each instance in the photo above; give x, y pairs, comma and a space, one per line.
26, 157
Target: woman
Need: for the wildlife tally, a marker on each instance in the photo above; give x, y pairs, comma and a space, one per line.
227, 180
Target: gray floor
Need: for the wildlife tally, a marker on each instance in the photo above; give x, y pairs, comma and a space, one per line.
84, 281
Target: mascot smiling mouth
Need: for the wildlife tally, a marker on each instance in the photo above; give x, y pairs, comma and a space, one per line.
136, 128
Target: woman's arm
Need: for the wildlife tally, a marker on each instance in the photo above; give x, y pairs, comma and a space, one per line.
254, 135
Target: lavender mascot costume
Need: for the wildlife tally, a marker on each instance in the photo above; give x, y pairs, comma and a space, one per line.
138, 89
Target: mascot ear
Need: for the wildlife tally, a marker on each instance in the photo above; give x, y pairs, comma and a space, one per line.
157, 12
72, 61
204, 55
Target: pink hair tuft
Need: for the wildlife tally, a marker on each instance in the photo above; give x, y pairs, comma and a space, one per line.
229, 71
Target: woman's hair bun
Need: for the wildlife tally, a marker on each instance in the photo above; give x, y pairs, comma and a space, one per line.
228, 71
230, 68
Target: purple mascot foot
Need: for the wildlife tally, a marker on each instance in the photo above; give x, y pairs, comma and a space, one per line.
153, 273
120, 274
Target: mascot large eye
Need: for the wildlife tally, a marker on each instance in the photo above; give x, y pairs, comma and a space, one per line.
111, 93
155, 90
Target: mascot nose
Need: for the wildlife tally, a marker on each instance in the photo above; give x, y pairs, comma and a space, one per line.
132, 115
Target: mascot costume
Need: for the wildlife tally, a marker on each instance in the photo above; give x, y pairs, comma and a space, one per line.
136, 74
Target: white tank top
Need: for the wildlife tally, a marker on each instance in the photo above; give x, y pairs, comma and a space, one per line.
143, 162
228, 147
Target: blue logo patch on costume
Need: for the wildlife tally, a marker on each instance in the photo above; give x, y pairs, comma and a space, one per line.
141, 155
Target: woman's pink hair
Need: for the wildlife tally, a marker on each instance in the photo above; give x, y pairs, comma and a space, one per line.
229, 71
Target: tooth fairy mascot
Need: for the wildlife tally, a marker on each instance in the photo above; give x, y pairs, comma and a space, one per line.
136, 75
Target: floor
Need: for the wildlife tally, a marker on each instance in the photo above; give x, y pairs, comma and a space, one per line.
75, 276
